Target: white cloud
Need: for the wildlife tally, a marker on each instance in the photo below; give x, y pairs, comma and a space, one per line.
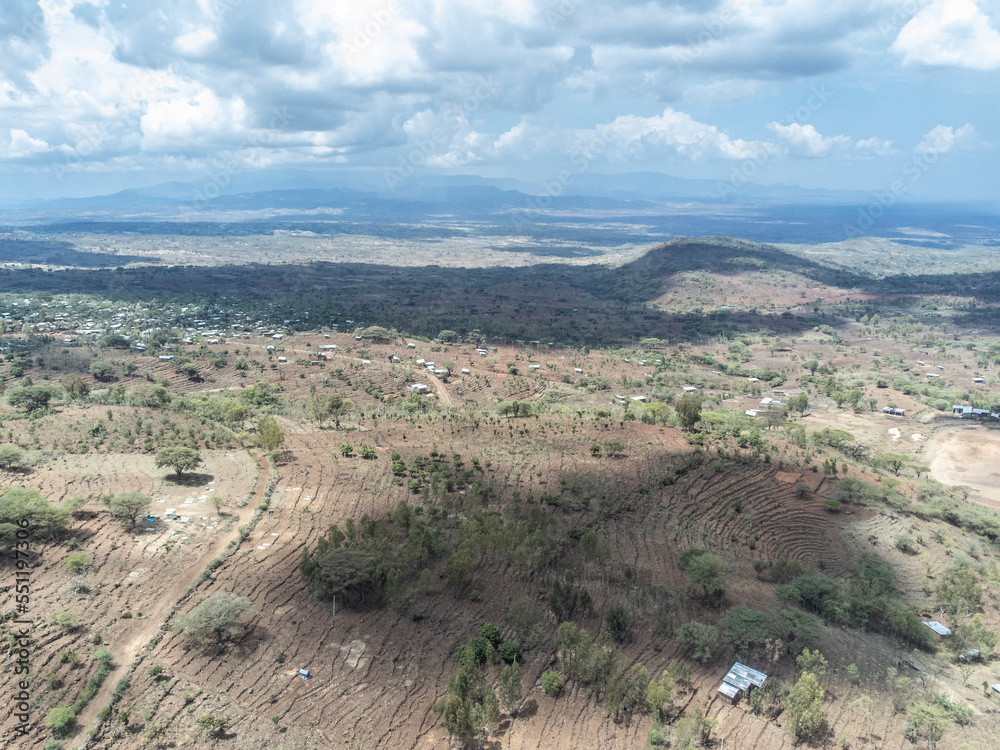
202, 118
806, 141
874, 146
943, 138
630, 136
22, 145
952, 33
195, 43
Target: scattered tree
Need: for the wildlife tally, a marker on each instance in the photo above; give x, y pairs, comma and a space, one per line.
893, 461
128, 507
799, 403
270, 436
805, 706
10, 457
216, 618
102, 371
706, 574
688, 409
178, 458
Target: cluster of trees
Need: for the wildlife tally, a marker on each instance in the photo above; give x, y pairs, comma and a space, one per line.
20, 505
624, 686
322, 407
869, 602
515, 409
472, 705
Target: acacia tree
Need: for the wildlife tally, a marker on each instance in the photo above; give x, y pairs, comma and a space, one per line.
10, 457
128, 507
178, 458
19, 506
893, 461
216, 618
30, 397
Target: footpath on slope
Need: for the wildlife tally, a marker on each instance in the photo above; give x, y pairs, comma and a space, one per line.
124, 652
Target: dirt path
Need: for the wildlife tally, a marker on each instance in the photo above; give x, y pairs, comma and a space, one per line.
124, 651
446, 398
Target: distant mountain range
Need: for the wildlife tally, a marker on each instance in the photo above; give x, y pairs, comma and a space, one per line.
608, 208
357, 189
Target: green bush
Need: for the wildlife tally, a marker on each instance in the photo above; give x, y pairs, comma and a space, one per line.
698, 639
619, 619
746, 630
491, 633
552, 683
61, 720
509, 652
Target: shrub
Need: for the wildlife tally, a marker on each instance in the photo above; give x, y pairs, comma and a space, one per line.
746, 630
552, 683
509, 652
491, 633
61, 720
619, 620
698, 639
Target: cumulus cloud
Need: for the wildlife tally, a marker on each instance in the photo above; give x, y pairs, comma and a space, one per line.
943, 138
874, 146
22, 145
806, 141
631, 137
950, 33
447, 83
202, 118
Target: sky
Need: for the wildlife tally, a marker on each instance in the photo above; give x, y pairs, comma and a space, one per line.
897, 96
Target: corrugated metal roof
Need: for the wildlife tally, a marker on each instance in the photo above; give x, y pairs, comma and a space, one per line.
938, 627
743, 676
730, 690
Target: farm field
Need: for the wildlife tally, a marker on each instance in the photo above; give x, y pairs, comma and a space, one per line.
533, 484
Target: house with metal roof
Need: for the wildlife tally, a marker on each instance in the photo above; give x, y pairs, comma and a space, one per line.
938, 628
740, 679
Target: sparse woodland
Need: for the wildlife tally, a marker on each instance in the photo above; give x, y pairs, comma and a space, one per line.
573, 540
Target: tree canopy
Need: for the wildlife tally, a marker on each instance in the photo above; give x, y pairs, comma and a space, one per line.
270, 436
215, 619
688, 410
128, 507
706, 573
20, 504
30, 397
10, 457
178, 458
